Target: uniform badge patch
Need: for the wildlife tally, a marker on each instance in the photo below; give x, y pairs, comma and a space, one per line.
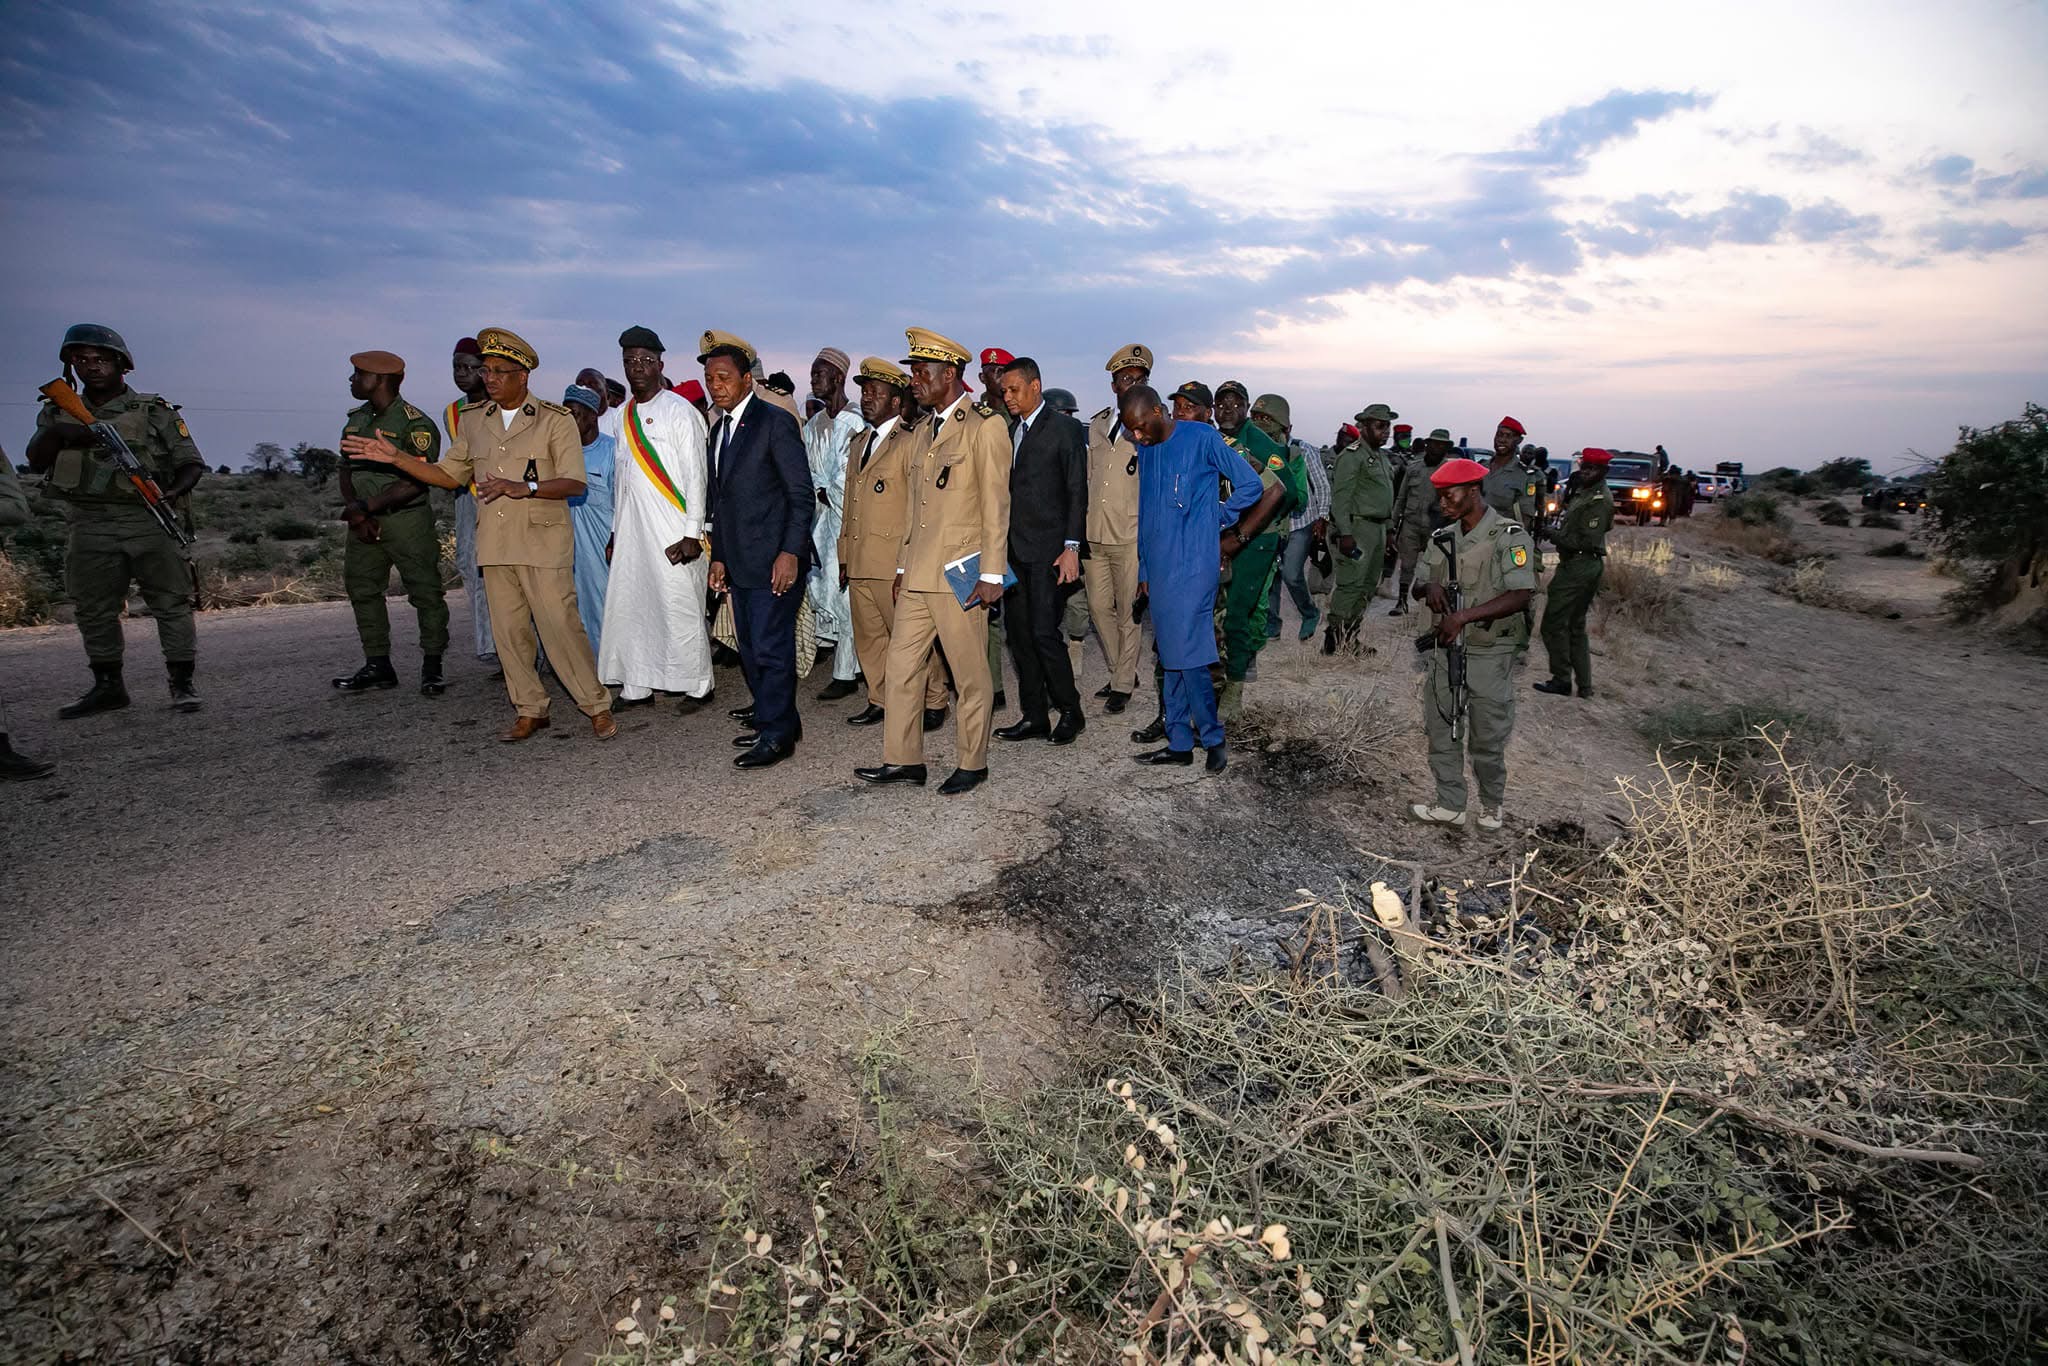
183, 430
1274, 462
422, 442
1519, 556
878, 486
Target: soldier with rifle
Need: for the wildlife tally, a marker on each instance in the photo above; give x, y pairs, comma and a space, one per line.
119, 459
1477, 577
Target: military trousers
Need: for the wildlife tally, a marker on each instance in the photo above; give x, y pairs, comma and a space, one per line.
108, 550
874, 616
1572, 590
1489, 720
1409, 544
1111, 573
1244, 604
525, 599
923, 617
1358, 579
406, 542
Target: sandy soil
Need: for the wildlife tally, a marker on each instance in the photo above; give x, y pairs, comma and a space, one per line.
308, 999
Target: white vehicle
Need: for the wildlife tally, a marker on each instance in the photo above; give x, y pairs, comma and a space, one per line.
1713, 486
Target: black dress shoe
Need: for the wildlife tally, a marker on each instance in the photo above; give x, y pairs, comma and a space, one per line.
963, 780
1072, 723
1217, 760
746, 740
1152, 734
724, 654
870, 716
1554, 688
1116, 703
1023, 730
836, 689
743, 715
690, 706
1182, 757
892, 773
934, 717
1105, 691
766, 754
371, 675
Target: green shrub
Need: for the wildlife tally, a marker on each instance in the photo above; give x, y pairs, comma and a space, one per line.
245, 535
1990, 504
292, 529
1754, 509
1882, 521
1893, 550
246, 559
1832, 513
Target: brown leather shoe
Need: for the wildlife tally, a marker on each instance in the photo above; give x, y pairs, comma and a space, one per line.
524, 728
602, 726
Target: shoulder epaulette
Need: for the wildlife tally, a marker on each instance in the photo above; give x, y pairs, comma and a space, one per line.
413, 413
1106, 412
984, 410
551, 407
463, 405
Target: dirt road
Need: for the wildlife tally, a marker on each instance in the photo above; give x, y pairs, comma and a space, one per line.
307, 999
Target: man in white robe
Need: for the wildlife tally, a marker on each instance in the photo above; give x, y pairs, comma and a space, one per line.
828, 437
654, 634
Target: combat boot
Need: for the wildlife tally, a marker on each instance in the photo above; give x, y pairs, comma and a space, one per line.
375, 673
106, 694
184, 697
1230, 702
1330, 639
19, 768
431, 684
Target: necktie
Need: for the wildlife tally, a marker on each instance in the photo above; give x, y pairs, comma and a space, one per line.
1017, 442
938, 421
718, 446
1116, 424
867, 450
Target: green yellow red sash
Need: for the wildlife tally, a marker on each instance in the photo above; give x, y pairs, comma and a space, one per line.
451, 420
648, 460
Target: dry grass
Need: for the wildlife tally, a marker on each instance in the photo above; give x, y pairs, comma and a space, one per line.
17, 593
1647, 587
1765, 540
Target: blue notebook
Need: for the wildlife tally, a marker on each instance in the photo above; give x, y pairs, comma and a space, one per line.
964, 573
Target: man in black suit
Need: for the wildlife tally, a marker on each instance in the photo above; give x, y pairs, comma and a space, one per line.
760, 516
1048, 514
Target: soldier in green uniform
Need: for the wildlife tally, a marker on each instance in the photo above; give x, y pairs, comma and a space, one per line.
1361, 501
1581, 542
1511, 489
114, 538
1249, 429
1415, 511
1494, 581
390, 526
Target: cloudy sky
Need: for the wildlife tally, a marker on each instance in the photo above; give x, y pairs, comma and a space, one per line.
1768, 232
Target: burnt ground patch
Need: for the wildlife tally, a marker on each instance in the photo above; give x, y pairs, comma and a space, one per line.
1186, 874
359, 778
570, 895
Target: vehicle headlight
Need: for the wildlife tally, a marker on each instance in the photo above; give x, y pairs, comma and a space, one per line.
1639, 493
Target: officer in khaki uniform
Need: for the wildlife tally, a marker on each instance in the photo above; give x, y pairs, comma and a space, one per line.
1495, 578
1110, 570
114, 538
525, 456
1513, 490
875, 517
1581, 542
1415, 511
390, 526
1361, 501
960, 506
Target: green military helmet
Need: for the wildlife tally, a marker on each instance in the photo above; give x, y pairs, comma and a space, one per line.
94, 334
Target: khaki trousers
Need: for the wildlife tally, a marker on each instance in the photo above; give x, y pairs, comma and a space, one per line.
1111, 573
522, 598
874, 617
921, 618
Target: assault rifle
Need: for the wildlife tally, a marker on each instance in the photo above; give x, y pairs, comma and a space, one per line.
1446, 538
65, 397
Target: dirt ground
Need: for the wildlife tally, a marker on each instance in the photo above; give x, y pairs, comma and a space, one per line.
310, 1002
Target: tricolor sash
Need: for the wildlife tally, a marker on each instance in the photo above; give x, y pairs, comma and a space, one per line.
649, 460
451, 420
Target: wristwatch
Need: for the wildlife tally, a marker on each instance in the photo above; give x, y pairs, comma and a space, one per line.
532, 488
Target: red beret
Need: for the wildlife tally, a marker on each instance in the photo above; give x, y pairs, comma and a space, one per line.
1517, 428
691, 390
468, 347
1452, 473
1350, 430
1400, 427
1593, 455
995, 355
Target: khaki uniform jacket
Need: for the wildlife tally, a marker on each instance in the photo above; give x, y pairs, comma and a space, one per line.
1514, 492
1112, 483
960, 503
875, 513
1496, 556
523, 531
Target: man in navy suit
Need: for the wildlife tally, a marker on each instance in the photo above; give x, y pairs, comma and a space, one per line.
1048, 518
760, 514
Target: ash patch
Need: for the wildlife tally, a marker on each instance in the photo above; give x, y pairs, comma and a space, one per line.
360, 778
574, 895
1183, 876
